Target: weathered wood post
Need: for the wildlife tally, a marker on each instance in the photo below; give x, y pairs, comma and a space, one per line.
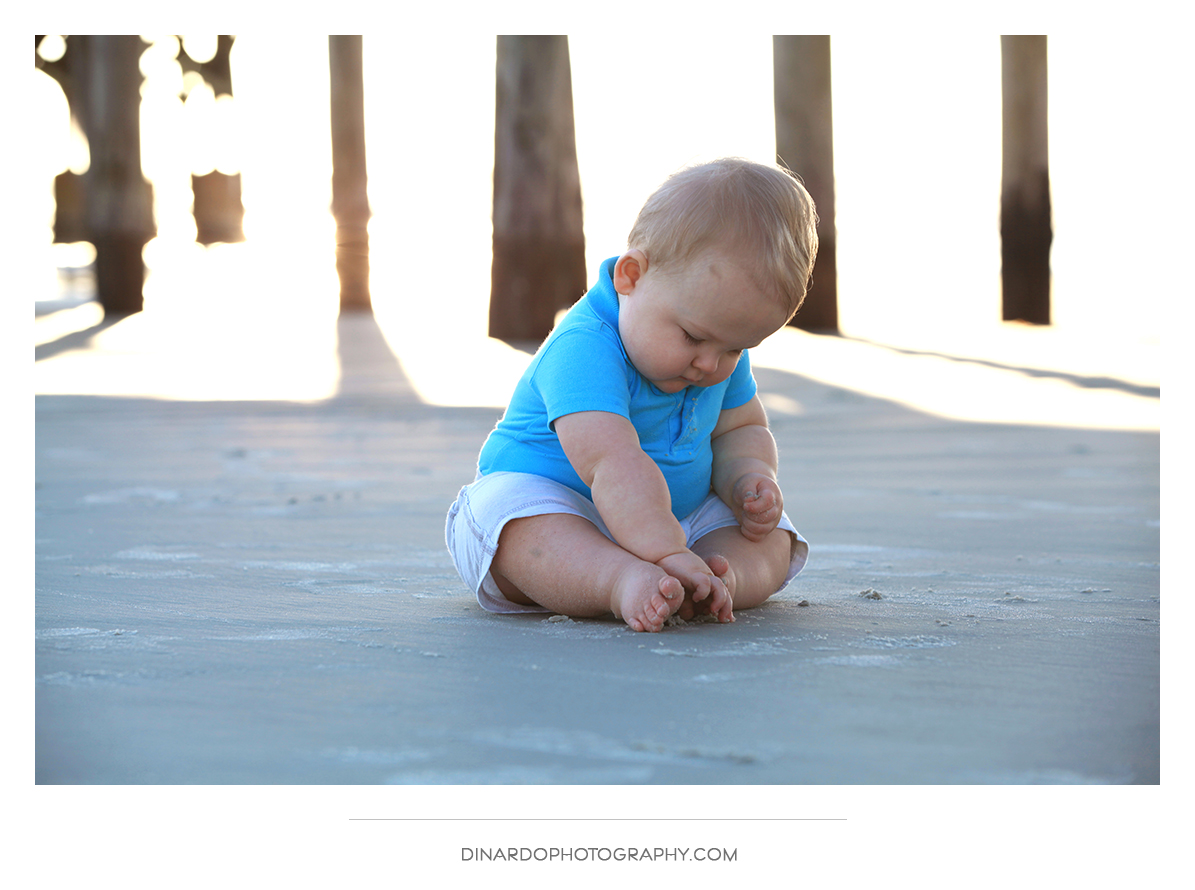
1026, 231
539, 244
218, 210
119, 210
70, 215
805, 144
350, 199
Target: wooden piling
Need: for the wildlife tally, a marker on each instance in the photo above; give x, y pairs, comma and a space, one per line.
218, 209
1026, 230
805, 144
119, 207
350, 198
539, 245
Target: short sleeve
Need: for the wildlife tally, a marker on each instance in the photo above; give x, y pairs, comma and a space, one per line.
583, 369
741, 386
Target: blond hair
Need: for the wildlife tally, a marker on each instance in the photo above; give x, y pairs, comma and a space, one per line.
760, 212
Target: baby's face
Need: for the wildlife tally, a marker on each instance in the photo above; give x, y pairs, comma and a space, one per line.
688, 326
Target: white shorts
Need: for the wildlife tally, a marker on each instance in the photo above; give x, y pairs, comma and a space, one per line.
482, 509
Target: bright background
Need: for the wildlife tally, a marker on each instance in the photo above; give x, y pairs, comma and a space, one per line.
917, 161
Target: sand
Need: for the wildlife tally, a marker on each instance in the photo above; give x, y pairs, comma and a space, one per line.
258, 594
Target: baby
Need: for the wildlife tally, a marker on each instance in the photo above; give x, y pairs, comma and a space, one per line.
633, 472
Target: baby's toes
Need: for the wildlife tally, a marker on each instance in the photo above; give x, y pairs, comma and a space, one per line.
663, 603
670, 588
654, 618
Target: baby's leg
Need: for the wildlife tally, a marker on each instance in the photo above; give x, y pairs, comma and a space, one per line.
752, 571
562, 562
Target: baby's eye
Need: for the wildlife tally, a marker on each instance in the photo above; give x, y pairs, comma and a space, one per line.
690, 338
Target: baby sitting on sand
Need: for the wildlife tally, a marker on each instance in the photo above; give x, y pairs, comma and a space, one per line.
633, 472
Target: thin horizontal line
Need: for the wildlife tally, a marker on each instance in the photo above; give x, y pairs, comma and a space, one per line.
591, 819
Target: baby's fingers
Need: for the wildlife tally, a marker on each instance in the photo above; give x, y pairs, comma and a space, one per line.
759, 504
703, 586
721, 605
755, 530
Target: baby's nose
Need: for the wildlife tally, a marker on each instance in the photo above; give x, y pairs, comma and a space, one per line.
706, 362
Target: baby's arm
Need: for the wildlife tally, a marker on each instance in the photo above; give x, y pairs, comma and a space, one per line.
632, 497
745, 463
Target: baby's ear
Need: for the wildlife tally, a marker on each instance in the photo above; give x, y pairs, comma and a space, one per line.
630, 267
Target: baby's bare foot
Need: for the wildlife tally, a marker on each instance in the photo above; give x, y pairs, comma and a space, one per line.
644, 596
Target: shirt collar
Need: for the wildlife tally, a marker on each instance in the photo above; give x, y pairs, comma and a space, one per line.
604, 297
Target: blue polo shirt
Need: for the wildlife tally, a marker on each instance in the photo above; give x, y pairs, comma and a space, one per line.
582, 366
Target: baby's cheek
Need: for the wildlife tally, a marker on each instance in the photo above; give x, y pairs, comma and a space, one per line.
724, 371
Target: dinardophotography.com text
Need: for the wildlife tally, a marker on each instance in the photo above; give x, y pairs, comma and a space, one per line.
598, 854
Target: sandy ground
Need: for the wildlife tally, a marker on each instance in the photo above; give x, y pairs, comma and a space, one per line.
257, 593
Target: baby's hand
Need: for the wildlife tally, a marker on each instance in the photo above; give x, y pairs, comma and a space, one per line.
698, 580
722, 609
758, 504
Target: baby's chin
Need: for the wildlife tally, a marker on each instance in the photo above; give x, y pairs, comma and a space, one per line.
676, 384
672, 386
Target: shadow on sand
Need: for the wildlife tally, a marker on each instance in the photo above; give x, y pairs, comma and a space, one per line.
259, 592
1087, 382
